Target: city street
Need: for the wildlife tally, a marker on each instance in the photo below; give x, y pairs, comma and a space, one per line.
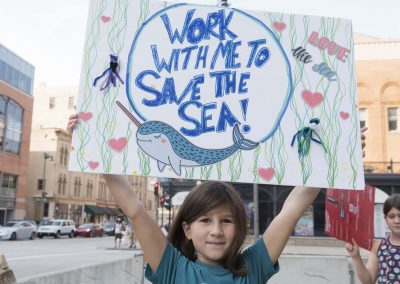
48, 255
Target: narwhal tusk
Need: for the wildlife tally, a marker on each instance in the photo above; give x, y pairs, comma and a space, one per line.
134, 120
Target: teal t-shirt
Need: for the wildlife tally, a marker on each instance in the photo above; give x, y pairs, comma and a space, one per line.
178, 269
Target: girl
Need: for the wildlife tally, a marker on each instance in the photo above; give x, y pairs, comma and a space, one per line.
205, 240
384, 260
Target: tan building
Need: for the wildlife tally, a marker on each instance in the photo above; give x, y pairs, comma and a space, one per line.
55, 192
378, 77
16, 81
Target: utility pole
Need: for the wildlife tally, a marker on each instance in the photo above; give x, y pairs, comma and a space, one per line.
157, 197
170, 198
256, 217
44, 192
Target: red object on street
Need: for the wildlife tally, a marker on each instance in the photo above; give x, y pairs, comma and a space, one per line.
89, 230
350, 214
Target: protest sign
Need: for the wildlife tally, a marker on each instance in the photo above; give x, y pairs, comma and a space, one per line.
200, 92
349, 214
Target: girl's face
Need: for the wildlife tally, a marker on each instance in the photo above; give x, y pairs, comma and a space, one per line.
212, 234
393, 221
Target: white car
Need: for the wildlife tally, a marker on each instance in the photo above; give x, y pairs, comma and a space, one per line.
56, 228
14, 230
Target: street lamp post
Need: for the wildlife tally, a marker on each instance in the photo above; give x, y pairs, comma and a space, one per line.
44, 193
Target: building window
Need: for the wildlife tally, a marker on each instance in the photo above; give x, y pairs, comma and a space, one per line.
89, 189
77, 187
363, 117
8, 186
40, 184
16, 71
71, 102
62, 155
10, 125
59, 184
66, 156
64, 185
393, 119
52, 102
3, 103
102, 194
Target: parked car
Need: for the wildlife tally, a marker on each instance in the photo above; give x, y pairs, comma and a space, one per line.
44, 222
89, 230
56, 228
14, 230
34, 224
109, 228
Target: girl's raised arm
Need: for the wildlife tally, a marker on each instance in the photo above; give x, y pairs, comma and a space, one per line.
148, 233
280, 229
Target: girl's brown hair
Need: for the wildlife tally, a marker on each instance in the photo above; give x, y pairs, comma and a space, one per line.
201, 199
392, 201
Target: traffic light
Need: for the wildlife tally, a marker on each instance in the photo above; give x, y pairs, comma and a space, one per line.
156, 186
162, 200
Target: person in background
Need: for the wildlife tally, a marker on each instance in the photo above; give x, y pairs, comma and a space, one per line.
119, 228
131, 234
384, 259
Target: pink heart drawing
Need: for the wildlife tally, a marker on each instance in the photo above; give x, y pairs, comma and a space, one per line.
117, 144
266, 174
85, 116
312, 99
279, 26
344, 115
105, 19
93, 165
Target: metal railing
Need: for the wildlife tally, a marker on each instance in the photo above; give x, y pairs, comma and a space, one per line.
390, 167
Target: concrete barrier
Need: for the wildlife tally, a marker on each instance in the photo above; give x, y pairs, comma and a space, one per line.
309, 269
128, 270
313, 270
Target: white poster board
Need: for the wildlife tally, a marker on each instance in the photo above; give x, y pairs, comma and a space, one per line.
201, 92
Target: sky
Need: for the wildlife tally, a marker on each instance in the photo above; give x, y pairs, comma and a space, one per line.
50, 34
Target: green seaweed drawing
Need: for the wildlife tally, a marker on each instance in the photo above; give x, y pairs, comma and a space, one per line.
355, 130
300, 79
189, 173
235, 165
205, 172
329, 116
219, 170
106, 121
144, 163
89, 59
256, 156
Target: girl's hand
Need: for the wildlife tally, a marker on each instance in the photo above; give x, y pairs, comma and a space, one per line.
363, 144
353, 249
72, 122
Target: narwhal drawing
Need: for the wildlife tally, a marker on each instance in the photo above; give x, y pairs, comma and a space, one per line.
168, 147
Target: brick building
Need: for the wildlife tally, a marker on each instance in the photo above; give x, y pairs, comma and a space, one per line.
16, 103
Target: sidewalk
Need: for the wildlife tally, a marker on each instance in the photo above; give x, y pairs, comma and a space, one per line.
323, 246
318, 246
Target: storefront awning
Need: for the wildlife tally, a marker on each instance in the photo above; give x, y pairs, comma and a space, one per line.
107, 211
99, 210
95, 210
115, 211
